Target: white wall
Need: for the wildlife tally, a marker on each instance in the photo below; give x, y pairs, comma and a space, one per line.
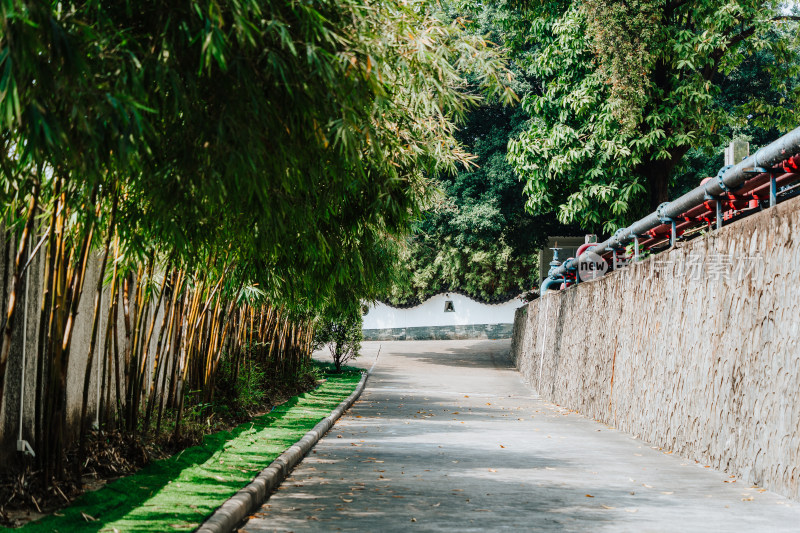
431, 313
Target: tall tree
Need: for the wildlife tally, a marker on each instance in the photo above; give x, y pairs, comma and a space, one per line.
626, 89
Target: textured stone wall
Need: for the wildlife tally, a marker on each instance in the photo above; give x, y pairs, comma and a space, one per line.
694, 350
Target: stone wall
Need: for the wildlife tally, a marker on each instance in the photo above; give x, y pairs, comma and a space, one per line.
471, 331
694, 350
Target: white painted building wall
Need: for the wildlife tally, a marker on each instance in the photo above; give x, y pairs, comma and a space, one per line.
431, 313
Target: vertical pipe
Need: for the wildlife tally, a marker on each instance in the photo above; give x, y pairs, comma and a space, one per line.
98, 378
24, 351
773, 191
719, 214
636, 247
673, 234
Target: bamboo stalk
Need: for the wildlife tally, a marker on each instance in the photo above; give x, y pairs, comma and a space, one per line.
93, 336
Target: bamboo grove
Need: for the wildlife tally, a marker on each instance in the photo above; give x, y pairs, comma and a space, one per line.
160, 337
229, 170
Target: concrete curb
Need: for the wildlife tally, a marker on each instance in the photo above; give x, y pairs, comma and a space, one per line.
231, 513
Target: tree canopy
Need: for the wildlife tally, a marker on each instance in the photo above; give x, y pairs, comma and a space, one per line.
624, 90
245, 166
290, 136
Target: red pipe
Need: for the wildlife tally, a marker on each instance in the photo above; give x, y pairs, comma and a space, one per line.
584, 247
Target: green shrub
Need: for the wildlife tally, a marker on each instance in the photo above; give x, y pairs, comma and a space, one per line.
340, 330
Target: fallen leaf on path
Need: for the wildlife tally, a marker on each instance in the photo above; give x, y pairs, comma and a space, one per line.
668, 493
631, 510
607, 507
748, 499
589, 496
492, 470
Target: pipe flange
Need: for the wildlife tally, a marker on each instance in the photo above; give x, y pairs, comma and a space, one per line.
661, 215
620, 234
721, 182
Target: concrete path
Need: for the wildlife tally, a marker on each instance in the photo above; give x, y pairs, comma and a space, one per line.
447, 437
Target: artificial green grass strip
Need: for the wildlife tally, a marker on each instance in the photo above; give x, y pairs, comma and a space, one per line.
178, 493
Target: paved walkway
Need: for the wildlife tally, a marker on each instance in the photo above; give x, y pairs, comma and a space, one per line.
447, 437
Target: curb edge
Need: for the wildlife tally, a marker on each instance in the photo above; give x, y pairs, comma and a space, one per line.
236, 508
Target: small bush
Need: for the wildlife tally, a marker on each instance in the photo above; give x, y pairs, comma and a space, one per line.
340, 330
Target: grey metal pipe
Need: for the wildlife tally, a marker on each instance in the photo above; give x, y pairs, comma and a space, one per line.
766, 157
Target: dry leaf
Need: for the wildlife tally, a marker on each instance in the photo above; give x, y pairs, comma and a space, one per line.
589, 496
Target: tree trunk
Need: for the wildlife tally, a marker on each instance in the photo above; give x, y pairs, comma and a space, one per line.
658, 175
